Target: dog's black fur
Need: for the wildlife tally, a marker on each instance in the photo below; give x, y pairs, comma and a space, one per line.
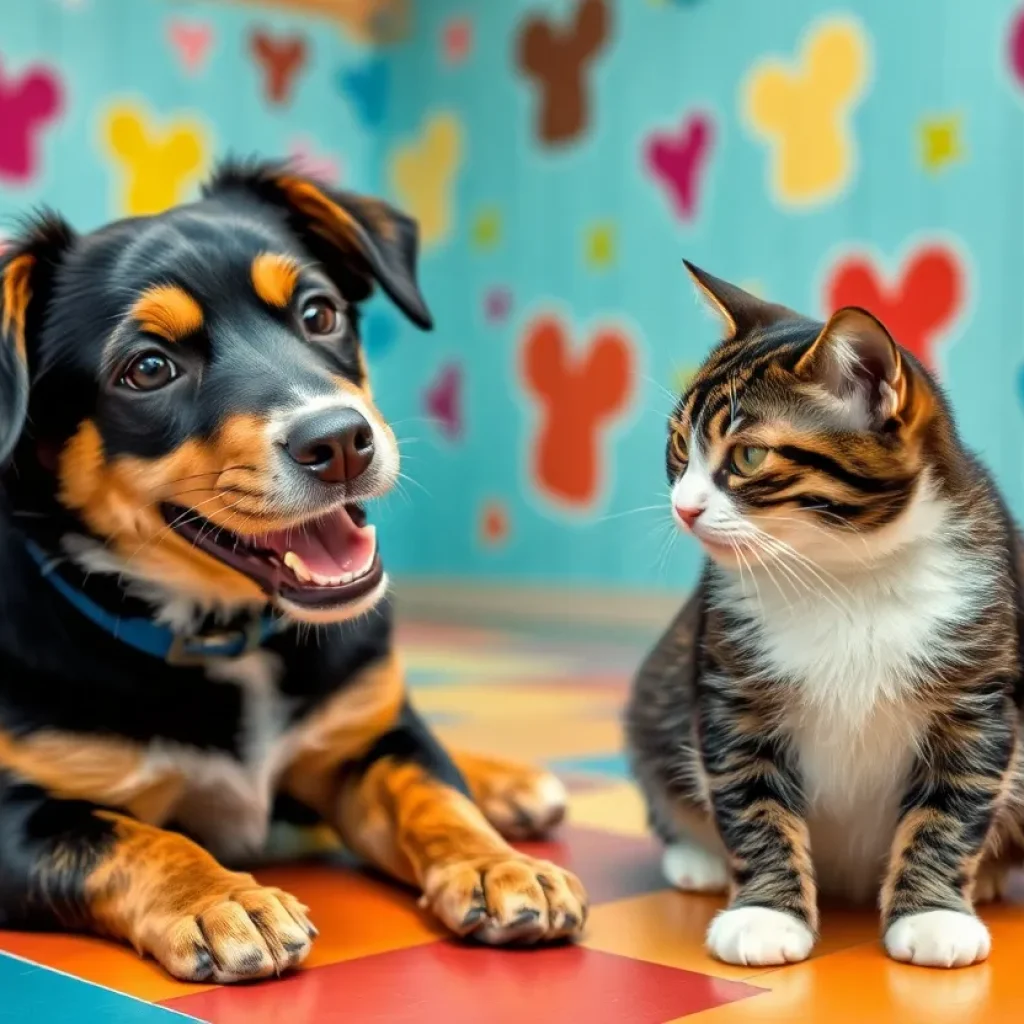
67, 419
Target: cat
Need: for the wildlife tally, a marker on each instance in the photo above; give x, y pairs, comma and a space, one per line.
837, 708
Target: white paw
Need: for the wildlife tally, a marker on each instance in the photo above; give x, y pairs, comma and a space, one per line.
693, 869
938, 938
759, 937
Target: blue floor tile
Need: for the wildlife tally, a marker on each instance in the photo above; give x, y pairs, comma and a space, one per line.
30, 994
613, 765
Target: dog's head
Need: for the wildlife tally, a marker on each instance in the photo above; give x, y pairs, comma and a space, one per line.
184, 400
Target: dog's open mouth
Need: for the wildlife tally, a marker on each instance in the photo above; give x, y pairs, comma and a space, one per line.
328, 561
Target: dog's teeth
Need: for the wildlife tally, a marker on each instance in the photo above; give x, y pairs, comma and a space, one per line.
297, 566
347, 577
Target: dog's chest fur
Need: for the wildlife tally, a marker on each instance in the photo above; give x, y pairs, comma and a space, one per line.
225, 801
853, 660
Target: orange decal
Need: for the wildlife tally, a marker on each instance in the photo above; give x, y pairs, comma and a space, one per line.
577, 395
494, 525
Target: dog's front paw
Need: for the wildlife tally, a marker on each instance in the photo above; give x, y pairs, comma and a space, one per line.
507, 898
759, 937
938, 938
241, 933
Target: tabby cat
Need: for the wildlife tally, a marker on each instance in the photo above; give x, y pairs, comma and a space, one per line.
837, 710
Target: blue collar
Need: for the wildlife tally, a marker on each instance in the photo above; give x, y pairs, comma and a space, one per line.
152, 638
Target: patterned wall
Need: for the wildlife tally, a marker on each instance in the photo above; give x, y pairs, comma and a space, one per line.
570, 152
562, 156
114, 107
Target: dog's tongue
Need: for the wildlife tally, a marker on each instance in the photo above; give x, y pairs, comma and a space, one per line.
328, 552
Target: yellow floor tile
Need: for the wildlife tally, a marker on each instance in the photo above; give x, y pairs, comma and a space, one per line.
668, 928
533, 703
863, 986
616, 808
533, 740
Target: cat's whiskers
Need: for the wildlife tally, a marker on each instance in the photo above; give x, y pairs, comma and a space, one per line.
781, 551
822, 530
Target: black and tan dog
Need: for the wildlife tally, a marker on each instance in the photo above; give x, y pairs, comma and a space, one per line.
194, 630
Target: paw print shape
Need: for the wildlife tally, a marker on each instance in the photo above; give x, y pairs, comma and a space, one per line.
280, 59
919, 306
557, 59
577, 396
803, 112
423, 174
28, 103
156, 164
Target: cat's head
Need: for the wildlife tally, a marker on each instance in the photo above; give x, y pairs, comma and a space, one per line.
803, 440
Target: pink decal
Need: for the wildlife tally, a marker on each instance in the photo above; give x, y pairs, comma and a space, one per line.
192, 42
497, 305
457, 40
918, 307
443, 401
1017, 46
27, 105
306, 160
678, 161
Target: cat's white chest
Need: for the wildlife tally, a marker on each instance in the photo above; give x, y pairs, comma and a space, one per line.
852, 662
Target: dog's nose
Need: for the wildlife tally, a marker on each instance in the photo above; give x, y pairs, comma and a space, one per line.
335, 445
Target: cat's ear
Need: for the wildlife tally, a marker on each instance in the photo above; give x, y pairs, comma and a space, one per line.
856, 361
740, 311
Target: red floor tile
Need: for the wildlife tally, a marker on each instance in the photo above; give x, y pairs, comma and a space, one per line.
448, 983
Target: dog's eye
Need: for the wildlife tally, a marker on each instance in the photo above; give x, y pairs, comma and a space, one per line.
148, 372
320, 317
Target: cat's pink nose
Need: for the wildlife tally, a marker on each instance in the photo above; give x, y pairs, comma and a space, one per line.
688, 515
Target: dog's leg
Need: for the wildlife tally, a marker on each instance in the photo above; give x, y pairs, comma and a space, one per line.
70, 865
404, 806
520, 801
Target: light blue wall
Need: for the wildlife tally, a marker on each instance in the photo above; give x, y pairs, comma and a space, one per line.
926, 59
106, 52
665, 61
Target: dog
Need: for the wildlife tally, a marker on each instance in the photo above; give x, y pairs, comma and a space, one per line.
195, 630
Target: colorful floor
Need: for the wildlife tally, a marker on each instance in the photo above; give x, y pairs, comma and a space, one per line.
555, 700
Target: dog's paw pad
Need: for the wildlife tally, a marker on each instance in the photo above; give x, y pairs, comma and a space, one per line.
507, 898
938, 938
526, 805
238, 936
759, 937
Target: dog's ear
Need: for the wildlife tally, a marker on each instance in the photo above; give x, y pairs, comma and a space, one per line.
345, 232
27, 268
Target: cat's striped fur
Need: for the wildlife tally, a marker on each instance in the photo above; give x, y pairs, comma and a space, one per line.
837, 709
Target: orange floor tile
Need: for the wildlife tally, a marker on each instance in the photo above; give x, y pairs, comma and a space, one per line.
557, 700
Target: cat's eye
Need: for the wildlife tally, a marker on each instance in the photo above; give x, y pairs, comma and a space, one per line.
679, 446
746, 459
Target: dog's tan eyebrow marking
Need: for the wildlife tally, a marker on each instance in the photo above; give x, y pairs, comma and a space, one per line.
17, 292
168, 311
274, 276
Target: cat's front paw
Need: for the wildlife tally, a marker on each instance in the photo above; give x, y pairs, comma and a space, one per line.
759, 937
938, 938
